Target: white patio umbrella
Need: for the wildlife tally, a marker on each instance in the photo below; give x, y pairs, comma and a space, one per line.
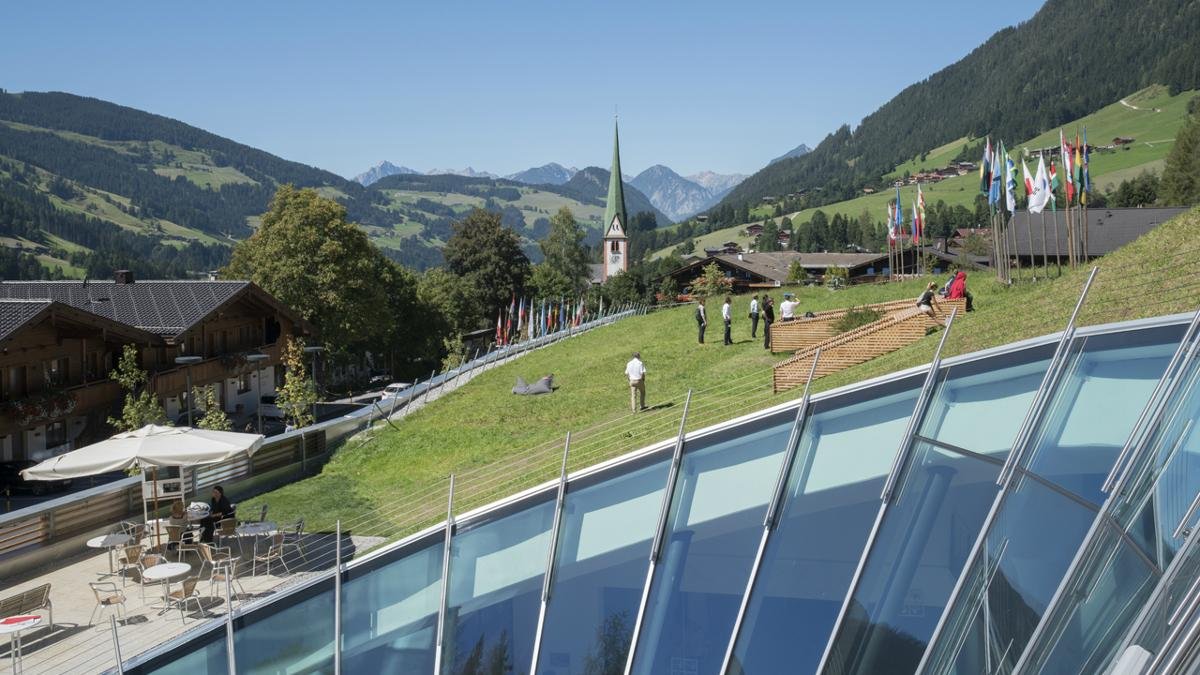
148, 448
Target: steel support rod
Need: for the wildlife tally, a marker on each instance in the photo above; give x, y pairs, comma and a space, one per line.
337, 600
773, 508
656, 546
551, 554
885, 497
116, 640
441, 621
230, 653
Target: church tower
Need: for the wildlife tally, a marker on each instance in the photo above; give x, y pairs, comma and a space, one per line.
616, 242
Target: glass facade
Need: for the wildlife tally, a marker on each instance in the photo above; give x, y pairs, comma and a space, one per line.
712, 536
495, 586
914, 551
831, 499
599, 571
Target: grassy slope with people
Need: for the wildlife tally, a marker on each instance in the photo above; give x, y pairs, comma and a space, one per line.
502, 443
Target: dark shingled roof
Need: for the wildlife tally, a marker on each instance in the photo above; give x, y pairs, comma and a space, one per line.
14, 314
164, 308
1108, 229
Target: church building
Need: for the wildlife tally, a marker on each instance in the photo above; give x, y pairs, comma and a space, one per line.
616, 241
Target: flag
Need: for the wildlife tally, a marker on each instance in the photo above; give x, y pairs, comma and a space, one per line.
1053, 187
1041, 192
1065, 149
1087, 181
985, 168
1028, 181
1010, 181
899, 214
520, 315
499, 327
916, 225
994, 177
919, 219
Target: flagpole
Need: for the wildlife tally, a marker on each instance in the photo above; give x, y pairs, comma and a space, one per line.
1057, 242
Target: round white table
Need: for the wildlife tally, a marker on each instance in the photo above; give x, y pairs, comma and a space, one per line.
164, 572
13, 625
256, 529
112, 542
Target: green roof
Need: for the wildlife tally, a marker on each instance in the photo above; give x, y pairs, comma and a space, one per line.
614, 206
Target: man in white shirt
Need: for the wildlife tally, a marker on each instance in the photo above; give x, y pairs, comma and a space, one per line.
636, 371
727, 315
787, 308
754, 316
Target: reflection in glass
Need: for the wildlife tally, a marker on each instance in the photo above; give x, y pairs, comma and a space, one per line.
206, 654
496, 570
298, 638
603, 552
713, 531
922, 546
831, 501
979, 405
389, 613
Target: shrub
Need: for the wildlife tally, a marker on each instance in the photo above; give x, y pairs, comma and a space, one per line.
856, 317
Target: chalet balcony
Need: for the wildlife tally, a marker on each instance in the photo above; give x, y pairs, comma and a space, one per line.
170, 382
56, 404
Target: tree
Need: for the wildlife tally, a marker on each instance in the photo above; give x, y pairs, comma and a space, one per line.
713, 283
306, 255
564, 252
452, 307
214, 418
1181, 176
141, 406
489, 259
796, 273
298, 394
547, 281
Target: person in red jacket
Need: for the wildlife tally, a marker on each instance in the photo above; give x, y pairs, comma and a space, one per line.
958, 289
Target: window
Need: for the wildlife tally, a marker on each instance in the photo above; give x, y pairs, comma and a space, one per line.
616, 247
243, 385
56, 434
55, 372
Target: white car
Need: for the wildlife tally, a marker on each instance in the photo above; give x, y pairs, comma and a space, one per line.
394, 389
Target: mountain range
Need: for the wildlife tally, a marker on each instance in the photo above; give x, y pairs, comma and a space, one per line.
798, 151
680, 197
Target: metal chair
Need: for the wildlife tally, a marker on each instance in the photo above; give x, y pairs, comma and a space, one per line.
181, 597
128, 559
215, 555
227, 529
222, 571
136, 531
274, 553
147, 561
107, 596
294, 539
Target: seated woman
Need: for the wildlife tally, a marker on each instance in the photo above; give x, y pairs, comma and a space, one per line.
220, 510
925, 302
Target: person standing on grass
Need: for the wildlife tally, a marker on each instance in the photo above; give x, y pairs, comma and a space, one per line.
727, 315
768, 319
636, 371
787, 309
754, 316
701, 319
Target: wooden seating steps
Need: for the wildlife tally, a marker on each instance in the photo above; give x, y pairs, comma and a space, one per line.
862, 344
802, 333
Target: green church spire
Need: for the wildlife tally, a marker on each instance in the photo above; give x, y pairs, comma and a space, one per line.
614, 207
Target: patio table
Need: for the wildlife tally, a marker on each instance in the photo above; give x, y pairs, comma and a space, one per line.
13, 625
164, 572
112, 542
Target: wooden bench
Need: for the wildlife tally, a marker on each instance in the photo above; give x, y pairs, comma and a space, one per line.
32, 600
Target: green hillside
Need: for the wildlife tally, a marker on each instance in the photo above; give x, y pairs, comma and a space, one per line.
393, 481
1070, 58
1152, 118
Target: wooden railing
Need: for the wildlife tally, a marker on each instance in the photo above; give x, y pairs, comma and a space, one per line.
805, 332
173, 381
862, 344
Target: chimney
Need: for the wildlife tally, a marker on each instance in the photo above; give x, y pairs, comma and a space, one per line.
740, 257
940, 244
124, 277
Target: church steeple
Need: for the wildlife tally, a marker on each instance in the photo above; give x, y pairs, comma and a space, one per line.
614, 207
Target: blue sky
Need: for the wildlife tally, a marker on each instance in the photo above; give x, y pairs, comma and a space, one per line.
499, 86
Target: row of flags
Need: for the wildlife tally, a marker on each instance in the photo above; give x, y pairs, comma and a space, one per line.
528, 319
998, 173
895, 217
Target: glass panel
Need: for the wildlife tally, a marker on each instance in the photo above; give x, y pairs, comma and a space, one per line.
980, 405
833, 491
297, 638
206, 654
1099, 611
1107, 383
1027, 552
496, 570
921, 547
389, 613
1152, 634
603, 553
715, 525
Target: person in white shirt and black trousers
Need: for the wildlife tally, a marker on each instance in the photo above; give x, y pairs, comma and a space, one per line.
754, 316
727, 315
635, 370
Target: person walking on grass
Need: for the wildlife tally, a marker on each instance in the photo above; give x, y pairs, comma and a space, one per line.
727, 315
768, 319
635, 370
754, 316
701, 318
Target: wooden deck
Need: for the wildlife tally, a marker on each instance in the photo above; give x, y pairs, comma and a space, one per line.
898, 329
803, 333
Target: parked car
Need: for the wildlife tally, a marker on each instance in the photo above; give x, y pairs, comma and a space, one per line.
11, 480
269, 407
394, 389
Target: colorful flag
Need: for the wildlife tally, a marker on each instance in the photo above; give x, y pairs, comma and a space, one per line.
1028, 181
916, 225
1010, 180
985, 168
919, 230
500, 327
1087, 181
994, 185
899, 213
1041, 192
891, 225
1065, 149
1053, 187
